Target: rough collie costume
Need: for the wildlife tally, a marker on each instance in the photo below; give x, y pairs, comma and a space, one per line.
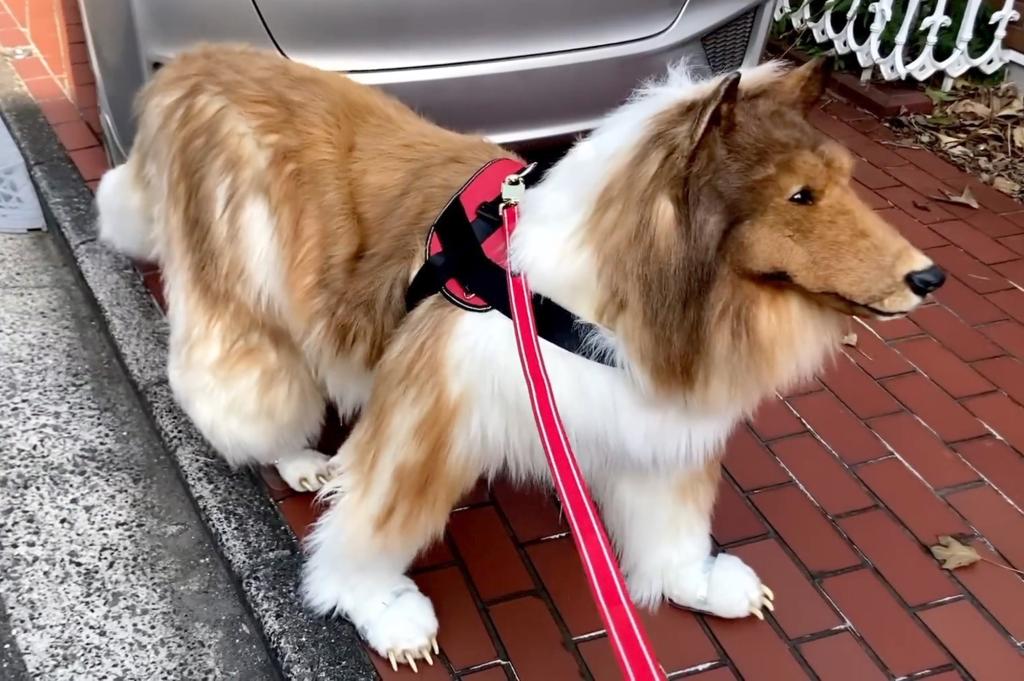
705, 228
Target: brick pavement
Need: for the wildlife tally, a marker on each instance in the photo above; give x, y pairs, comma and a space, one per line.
832, 491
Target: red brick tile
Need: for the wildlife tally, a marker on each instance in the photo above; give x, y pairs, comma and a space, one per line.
977, 244
944, 368
678, 639
923, 451
901, 560
937, 409
7, 21
989, 223
872, 177
965, 342
433, 556
480, 494
812, 537
968, 305
856, 389
1016, 217
868, 148
993, 199
840, 658
92, 118
277, 488
13, 37
1007, 373
299, 511
893, 634
496, 673
917, 233
1012, 270
930, 163
877, 358
533, 642
717, 674
1001, 414
531, 512
1009, 335
559, 567
81, 74
676, 636
998, 521
437, 672
91, 162
733, 519
968, 270
75, 33
838, 428
830, 125
749, 463
756, 650
915, 205
1000, 465
155, 285
924, 513
773, 419
462, 636
85, 95
805, 611
822, 475
975, 643
805, 387
59, 111
847, 112
43, 89
890, 329
1011, 302
920, 181
78, 54
1015, 243
870, 197
490, 556
75, 135
999, 590
32, 67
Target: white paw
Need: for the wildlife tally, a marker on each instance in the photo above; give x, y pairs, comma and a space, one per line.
405, 631
726, 587
305, 470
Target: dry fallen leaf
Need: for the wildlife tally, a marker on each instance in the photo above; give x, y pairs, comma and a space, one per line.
1006, 186
1018, 136
970, 107
849, 339
953, 554
966, 198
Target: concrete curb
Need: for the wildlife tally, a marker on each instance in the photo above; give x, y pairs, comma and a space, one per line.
258, 548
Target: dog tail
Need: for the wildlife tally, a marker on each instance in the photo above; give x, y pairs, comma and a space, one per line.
124, 222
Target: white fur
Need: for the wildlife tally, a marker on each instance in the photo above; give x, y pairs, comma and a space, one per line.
123, 220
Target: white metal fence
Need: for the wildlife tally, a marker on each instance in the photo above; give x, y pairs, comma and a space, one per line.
838, 28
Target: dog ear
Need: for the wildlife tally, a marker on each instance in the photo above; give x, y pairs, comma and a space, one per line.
718, 112
804, 86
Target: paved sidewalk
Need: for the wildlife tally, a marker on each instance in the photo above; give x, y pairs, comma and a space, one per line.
106, 571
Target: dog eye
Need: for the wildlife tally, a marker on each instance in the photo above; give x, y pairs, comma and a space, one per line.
804, 197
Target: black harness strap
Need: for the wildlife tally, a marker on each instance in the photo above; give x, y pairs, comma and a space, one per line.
462, 258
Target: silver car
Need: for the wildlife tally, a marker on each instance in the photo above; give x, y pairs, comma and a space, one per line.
519, 71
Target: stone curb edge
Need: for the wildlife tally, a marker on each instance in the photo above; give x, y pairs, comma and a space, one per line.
258, 548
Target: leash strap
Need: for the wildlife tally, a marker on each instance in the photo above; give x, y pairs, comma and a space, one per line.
629, 640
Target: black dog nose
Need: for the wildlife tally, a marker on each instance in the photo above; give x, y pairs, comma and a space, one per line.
925, 281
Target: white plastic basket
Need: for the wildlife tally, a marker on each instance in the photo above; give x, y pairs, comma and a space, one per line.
19, 207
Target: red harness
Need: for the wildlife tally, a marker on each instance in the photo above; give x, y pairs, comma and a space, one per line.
626, 632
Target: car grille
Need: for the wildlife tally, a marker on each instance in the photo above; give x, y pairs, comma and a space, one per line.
726, 46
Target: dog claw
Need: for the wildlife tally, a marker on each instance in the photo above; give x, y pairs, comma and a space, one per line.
321, 479
412, 662
756, 612
425, 653
768, 592
304, 484
392, 660
437, 648
768, 604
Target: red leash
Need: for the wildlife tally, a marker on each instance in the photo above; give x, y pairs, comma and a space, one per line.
629, 640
